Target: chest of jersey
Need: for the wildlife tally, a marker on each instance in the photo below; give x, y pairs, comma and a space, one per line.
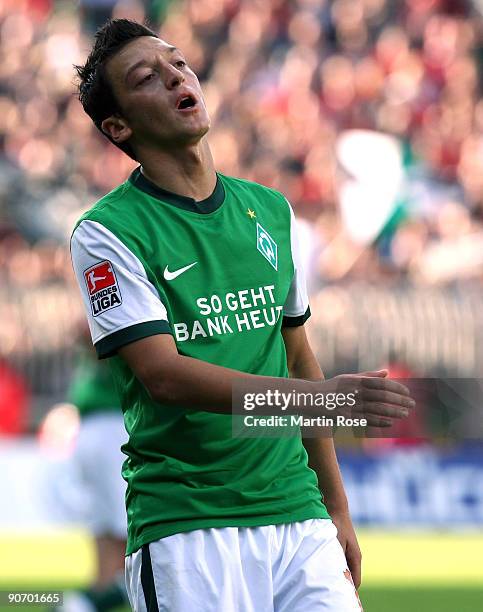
225, 273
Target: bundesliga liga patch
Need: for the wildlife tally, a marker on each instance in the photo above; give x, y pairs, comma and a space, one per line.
103, 288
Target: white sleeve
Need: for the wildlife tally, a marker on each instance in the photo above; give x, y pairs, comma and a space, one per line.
296, 308
121, 303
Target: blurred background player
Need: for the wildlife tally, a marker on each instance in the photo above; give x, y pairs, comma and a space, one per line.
98, 459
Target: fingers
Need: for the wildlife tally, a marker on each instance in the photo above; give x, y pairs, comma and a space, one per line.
385, 384
386, 397
354, 563
381, 414
380, 400
375, 373
389, 411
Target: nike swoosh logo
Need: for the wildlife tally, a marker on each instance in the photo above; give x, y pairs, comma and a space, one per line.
172, 275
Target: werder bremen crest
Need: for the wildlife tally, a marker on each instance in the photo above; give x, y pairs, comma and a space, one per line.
267, 246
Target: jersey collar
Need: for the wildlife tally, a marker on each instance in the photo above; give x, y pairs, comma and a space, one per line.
208, 205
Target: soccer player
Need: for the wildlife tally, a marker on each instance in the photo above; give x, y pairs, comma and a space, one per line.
192, 280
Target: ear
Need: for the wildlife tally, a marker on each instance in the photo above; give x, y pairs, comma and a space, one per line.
116, 128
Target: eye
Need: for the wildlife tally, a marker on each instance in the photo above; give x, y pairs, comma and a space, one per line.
145, 79
180, 64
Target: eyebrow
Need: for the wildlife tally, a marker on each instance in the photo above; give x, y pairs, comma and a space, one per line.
143, 62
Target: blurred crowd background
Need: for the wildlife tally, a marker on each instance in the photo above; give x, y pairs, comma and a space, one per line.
367, 114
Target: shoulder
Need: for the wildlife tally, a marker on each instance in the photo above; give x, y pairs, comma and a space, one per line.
106, 209
105, 228
243, 185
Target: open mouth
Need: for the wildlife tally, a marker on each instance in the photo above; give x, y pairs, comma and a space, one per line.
186, 102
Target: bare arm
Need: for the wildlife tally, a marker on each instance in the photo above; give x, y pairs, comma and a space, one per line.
177, 380
322, 458
174, 379
321, 452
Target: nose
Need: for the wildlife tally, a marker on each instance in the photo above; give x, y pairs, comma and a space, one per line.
173, 77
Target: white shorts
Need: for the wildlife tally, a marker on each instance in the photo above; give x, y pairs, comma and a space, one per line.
98, 459
295, 567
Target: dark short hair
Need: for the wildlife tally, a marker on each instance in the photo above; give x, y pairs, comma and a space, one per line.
95, 90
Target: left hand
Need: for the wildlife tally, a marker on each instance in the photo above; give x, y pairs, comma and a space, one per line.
348, 539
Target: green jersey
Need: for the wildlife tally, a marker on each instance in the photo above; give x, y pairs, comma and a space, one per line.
92, 389
222, 276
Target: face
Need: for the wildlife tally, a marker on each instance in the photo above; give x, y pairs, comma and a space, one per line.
159, 96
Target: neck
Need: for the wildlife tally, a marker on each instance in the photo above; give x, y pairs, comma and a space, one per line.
187, 171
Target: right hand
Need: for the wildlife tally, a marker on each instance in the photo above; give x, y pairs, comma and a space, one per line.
379, 399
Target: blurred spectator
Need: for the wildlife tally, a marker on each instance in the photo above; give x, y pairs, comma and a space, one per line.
14, 400
95, 12
289, 83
